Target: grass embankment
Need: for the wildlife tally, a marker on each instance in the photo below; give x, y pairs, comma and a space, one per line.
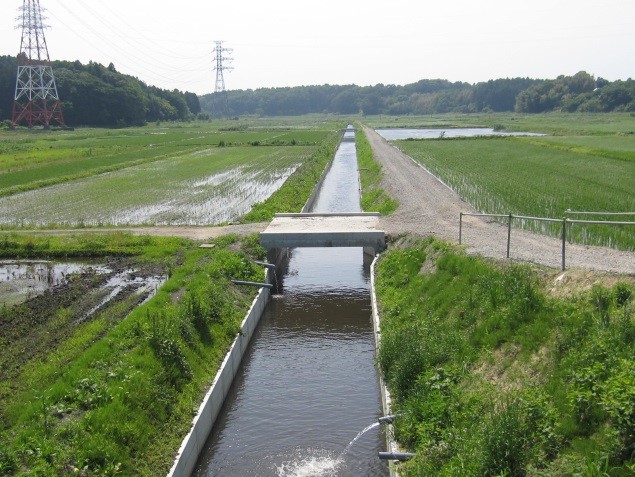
541, 177
374, 198
495, 375
297, 189
117, 395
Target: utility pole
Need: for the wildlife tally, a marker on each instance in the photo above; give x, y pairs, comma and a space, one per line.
36, 100
220, 94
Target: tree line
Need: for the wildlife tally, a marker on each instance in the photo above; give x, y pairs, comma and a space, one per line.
95, 95
100, 96
580, 92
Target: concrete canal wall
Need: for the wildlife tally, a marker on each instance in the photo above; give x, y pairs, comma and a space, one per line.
208, 411
391, 445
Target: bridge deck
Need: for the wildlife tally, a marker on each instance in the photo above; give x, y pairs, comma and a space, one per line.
324, 230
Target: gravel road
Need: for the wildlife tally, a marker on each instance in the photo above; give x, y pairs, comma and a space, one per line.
428, 207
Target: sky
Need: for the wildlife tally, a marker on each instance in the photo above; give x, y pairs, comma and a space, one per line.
279, 43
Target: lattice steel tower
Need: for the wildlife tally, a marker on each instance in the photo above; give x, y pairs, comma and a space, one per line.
36, 100
220, 94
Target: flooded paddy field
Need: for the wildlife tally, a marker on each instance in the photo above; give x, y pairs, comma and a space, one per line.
201, 188
196, 174
44, 302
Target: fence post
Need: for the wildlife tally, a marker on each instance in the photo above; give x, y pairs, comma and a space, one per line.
509, 233
460, 226
564, 242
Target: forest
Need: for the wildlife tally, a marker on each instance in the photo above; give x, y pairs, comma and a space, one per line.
581, 92
99, 96
96, 95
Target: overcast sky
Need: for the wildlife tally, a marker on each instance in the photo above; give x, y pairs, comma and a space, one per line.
293, 42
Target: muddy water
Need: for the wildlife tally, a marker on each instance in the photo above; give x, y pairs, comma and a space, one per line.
308, 384
23, 279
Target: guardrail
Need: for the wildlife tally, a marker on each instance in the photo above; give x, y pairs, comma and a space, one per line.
566, 225
568, 213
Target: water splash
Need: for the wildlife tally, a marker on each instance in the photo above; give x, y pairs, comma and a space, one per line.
311, 467
320, 466
359, 435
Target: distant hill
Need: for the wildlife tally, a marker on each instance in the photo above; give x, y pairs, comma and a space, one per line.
95, 95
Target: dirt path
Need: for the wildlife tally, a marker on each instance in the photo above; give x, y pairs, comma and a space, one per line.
190, 232
429, 207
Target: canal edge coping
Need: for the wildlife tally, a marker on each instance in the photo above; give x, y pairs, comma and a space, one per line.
208, 411
391, 445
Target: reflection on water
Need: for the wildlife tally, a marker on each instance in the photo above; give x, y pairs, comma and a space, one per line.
24, 279
207, 200
435, 133
20, 280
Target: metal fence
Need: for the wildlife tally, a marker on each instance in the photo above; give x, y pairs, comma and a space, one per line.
565, 221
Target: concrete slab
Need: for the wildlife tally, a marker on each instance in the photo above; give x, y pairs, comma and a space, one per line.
324, 230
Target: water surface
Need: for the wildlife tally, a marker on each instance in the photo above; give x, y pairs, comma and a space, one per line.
308, 384
435, 133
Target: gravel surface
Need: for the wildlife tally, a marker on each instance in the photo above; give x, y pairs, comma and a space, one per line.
429, 207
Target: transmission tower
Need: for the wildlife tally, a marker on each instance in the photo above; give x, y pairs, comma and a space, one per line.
36, 100
220, 94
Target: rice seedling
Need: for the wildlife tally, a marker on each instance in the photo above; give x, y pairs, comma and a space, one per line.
540, 177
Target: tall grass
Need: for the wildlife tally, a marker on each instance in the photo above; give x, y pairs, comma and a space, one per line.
494, 377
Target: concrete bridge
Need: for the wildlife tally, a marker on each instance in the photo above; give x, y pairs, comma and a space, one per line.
356, 229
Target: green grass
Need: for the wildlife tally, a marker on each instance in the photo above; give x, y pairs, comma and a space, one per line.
199, 189
17, 245
374, 198
495, 377
117, 397
540, 177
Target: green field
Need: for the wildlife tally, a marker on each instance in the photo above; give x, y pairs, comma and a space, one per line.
544, 176
198, 174
494, 377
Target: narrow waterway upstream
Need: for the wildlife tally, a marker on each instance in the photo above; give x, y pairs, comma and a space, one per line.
308, 384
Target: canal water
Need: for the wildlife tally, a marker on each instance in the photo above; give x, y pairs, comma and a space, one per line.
308, 385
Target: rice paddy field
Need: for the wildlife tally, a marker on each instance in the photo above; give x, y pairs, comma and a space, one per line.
197, 174
588, 165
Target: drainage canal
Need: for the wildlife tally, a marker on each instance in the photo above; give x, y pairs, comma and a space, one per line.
307, 395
